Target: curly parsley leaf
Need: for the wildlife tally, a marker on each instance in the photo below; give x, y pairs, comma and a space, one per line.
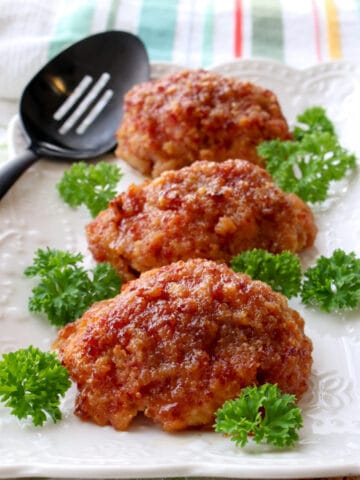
313, 120
63, 295
65, 289
263, 413
105, 282
309, 164
91, 185
31, 384
47, 260
281, 271
333, 283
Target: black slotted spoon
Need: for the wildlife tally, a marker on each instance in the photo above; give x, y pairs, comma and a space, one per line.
73, 106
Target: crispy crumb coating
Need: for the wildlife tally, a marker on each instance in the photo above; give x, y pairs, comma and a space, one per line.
209, 210
179, 341
196, 115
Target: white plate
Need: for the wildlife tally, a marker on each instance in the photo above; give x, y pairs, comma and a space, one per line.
32, 216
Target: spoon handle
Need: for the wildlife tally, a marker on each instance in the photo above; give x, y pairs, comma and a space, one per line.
12, 170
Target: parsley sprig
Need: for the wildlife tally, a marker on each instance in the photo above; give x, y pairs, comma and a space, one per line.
333, 283
91, 185
32, 383
313, 120
308, 164
263, 413
281, 271
66, 289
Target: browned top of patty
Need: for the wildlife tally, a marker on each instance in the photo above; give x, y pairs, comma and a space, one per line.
196, 115
178, 342
210, 210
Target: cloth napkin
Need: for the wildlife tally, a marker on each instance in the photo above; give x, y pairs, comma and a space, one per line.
196, 33
192, 32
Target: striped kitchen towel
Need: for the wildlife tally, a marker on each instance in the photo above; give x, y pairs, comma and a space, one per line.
195, 33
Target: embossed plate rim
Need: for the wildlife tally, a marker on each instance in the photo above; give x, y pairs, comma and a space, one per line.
210, 454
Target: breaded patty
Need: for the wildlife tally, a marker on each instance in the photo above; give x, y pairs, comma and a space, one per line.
196, 115
208, 210
179, 341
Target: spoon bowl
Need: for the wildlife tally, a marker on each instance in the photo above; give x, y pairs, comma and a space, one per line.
73, 106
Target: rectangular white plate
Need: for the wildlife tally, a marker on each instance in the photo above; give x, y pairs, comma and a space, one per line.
32, 216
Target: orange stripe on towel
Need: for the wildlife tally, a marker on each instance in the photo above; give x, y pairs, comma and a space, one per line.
333, 30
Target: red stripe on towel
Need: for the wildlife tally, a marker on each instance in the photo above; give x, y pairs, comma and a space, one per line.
316, 24
238, 31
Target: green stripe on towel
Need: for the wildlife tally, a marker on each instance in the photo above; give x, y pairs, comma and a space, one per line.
267, 29
208, 34
72, 26
111, 21
157, 27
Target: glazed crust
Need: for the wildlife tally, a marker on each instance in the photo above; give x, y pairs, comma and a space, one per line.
179, 341
196, 115
208, 210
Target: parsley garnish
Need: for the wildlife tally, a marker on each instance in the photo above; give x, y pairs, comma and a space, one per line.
263, 413
313, 120
333, 283
91, 185
307, 165
31, 384
66, 289
281, 271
